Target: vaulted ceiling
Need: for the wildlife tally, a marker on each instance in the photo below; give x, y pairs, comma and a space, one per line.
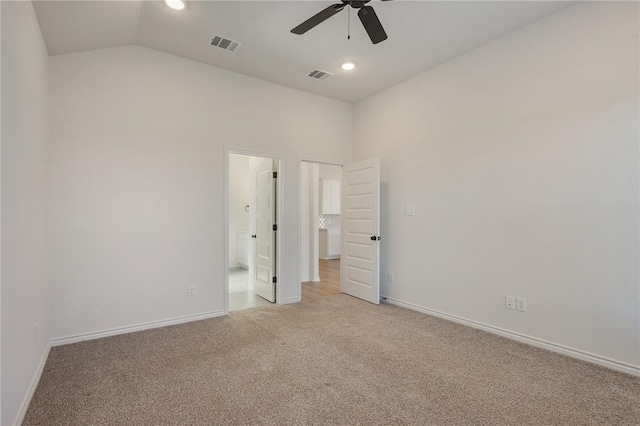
422, 35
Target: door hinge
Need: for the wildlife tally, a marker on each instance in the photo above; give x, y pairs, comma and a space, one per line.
275, 175
275, 280
275, 227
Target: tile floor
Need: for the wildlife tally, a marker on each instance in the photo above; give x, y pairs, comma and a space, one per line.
240, 297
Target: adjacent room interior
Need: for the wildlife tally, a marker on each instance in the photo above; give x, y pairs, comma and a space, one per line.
445, 203
320, 228
252, 214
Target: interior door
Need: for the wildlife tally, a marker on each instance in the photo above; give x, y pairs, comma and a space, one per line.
264, 236
361, 230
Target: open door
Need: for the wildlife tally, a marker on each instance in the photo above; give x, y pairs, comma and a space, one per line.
361, 230
263, 186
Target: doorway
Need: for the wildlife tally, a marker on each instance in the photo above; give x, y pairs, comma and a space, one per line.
252, 244
320, 229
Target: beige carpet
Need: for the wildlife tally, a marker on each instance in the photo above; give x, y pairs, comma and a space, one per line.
338, 361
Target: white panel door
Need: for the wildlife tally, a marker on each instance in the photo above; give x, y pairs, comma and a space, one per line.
361, 230
264, 190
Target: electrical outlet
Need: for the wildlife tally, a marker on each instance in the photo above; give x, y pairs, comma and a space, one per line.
510, 302
391, 278
521, 304
410, 210
191, 291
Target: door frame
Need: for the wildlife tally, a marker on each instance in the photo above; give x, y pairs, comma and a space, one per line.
279, 210
315, 160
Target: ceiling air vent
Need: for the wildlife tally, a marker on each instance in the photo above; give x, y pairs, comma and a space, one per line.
224, 43
320, 75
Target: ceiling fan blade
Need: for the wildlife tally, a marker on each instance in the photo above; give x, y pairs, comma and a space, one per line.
372, 24
318, 18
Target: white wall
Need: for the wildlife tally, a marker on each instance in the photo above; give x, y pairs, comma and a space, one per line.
314, 213
25, 271
330, 172
309, 202
238, 199
521, 158
138, 142
305, 222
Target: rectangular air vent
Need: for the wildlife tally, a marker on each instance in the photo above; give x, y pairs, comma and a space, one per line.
319, 74
224, 43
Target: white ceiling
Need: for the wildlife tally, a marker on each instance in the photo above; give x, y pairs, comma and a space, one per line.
422, 34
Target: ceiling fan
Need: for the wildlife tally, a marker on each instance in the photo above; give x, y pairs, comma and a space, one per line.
366, 14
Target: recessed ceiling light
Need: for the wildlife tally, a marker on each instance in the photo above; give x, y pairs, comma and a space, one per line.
348, 66
175, 4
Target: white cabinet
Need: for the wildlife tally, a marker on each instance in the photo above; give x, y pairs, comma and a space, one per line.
329, 196
330, 243
243, 249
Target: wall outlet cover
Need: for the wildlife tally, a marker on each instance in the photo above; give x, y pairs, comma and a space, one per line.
521, 304
510, 302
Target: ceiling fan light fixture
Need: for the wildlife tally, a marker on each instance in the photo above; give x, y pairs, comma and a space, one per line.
175, 4
348, 66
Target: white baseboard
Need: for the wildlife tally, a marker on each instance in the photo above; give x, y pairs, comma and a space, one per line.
554, 347
315, 278
32, 387
290, 300
58, 341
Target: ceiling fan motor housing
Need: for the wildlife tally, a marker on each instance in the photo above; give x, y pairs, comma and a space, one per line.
358, 4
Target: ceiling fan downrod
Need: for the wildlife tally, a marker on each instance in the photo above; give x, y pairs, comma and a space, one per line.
349, 24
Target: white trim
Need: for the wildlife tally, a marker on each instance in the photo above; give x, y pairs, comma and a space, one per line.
291, 300
309, 278
541, 343
306, 159
32, 387
225, 251
314, 279
59, 341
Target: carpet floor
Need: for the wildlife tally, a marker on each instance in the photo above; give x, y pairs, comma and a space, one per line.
335, 361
